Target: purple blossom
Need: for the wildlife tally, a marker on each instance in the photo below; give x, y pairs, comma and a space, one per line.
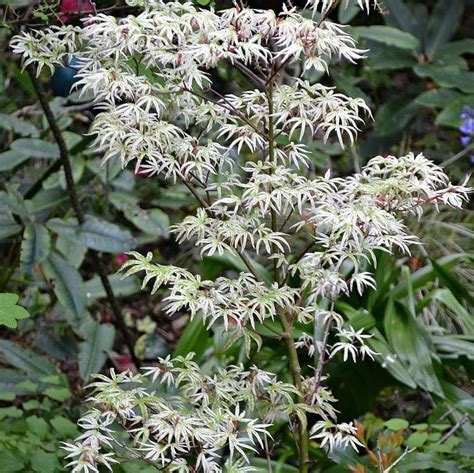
467, 127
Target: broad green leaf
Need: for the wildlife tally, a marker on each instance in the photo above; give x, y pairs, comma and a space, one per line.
64, 427
37, 425
388, 35
154, 222
451, 113
11, 462
34, 247
59, 393
400, 16
121, 287
437, 97
25, 360
8, 226
456, 48
379, 60
416, 439
101, 235
444, 22
68, 286
347, 12
395, 115
98, 339
74, 249
36, 148
11, 158
396, 424
10, 312
21, 127
409, 341
385, 357
450, 77
44, 462
195, 338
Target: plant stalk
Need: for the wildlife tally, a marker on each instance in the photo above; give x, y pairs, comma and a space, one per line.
79, 211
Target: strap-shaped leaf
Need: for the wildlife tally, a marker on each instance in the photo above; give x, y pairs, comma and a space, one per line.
25, 360
68, 286
99, 338
35, 246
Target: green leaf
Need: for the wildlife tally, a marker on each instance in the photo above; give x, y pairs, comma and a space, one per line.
437, 98
11, 462
36, 148
34, 247
444, 23
395, 115
101, 235
446, 297
385, 357
416, 439
409, 340
195, 338
8, 226
68, 286
426, 274
451, 114
37, 425
21, 127
64, 427
43, 462
25, 360
11, 158
346, 13
121, 287
388, 35
99, 338
396, 424
400, 16
10, 312
450, 77
59, 394
153, 222
448, 279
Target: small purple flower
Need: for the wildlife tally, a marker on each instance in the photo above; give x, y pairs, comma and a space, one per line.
467, 127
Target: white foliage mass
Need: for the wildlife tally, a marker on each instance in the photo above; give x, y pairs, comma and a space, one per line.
245, 157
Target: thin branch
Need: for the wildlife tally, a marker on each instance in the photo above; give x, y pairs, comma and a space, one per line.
78, 210
454, 428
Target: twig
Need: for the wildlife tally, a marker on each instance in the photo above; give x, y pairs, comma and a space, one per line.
454, 428
78, 210
399, 459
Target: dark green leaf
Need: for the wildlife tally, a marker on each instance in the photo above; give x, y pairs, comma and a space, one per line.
8, 226
195, 338
98, 339
35, 246
450, 77
409, 340
68, 286
101, 235
21, 127
11, 158
437, 97
25, 360
36, 148
444, 22
400, 16
388, 35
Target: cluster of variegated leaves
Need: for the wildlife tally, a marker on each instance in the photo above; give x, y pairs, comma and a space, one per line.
150, 76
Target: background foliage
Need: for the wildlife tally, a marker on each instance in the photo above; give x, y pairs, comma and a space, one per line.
417, 79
